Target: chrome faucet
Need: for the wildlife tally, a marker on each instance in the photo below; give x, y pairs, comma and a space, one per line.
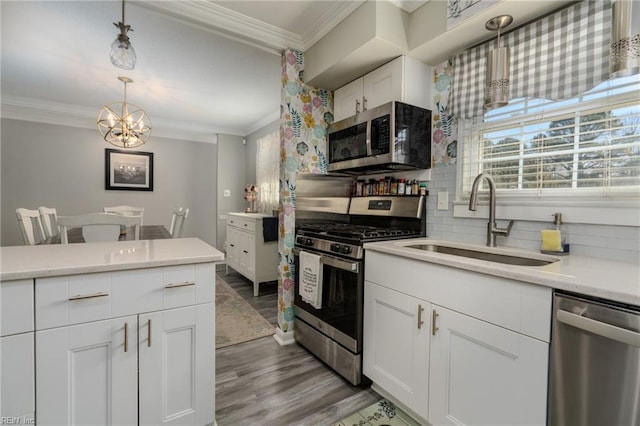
492, 229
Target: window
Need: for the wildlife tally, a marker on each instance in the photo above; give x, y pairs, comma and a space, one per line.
585, 146
268, 172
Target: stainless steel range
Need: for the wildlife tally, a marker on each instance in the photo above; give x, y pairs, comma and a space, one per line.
332, 227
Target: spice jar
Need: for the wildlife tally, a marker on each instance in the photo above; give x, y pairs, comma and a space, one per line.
401, 186
393, 189
414, 187
359, 188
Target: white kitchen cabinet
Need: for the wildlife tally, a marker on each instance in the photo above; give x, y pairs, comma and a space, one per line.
396, 345
485, 361
403, 79
150, 361
17, 381
248, 252
484, 374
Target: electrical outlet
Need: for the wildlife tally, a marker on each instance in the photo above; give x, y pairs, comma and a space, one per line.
226, 193
443, 200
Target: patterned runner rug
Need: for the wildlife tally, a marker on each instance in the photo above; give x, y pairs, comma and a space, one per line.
236, 320
382, 413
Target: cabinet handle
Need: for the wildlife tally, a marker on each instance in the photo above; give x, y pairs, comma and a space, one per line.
232, 245
184, 284
126, 337
357, 106
88, 296
420, 322
245, 224
364, 103
149, 333
434, 315
244, 251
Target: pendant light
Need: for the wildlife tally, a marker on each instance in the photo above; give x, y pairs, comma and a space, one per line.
122, 53
624, 56
498, 60
124, 125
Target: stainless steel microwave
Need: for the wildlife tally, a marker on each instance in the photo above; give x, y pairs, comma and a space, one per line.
393, 136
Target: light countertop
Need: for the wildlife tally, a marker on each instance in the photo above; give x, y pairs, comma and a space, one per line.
20, 262
607, 279
251, 215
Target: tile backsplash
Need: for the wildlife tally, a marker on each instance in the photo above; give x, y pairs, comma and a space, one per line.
602, 241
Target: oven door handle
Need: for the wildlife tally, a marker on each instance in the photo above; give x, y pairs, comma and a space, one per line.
334, 261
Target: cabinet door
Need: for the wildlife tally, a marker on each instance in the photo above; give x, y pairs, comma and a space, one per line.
384, 84
248, 253
485, 374
177, 366
233, 246
17, 377
87, 374
347, 100
396, 345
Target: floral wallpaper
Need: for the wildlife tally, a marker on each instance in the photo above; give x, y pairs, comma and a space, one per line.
444, 146
305, 114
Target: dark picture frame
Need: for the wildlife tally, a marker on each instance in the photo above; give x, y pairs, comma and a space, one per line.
128, 170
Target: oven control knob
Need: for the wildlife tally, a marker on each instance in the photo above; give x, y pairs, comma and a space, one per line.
345, 249
308, 242
335, 247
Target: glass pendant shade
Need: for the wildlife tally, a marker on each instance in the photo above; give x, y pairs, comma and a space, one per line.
122, 54
624, 57
497, 82
124, 125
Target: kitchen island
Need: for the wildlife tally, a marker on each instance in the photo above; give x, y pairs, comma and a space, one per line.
108, 333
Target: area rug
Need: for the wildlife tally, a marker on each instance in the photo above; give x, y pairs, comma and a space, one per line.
236, 320
382, 413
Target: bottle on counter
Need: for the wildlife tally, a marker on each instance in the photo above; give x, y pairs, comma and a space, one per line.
415, 188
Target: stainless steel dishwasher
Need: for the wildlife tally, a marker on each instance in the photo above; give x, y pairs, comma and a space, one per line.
594, 376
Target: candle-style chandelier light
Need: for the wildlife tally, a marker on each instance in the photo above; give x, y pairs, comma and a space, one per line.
124, 125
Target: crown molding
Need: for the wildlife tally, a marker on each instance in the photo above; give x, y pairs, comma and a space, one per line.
236, 26
36, 110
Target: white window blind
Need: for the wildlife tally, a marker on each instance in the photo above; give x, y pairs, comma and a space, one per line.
587, 146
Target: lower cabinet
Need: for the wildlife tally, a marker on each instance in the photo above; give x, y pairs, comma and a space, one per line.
17, 384
94, 373
446, 345
484, 374
396, 345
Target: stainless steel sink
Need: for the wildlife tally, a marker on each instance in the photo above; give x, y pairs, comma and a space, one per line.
484, 255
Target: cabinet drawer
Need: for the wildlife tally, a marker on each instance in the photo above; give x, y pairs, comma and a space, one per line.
72, 299
17, 307
242, 223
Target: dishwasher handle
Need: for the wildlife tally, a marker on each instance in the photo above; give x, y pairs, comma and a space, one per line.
600, 328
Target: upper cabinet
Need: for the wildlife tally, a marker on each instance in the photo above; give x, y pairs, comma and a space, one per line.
403, 79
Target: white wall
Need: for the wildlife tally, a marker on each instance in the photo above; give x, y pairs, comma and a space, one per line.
232, 177
63, 167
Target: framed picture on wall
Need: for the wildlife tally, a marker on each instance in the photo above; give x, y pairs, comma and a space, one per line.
128, 170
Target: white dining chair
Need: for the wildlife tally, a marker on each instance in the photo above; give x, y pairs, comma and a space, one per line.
31, 226
126, 210
98, 226
177, 222
49, 218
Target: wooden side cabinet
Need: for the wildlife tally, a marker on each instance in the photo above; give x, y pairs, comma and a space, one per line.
248, 252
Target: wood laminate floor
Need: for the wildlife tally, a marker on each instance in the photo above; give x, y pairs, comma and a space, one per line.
262, 383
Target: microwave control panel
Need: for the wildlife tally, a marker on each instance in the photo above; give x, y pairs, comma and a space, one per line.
380, 135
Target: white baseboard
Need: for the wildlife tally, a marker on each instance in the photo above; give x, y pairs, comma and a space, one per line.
283, 338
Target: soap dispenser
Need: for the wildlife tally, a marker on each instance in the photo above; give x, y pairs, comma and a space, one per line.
555, 240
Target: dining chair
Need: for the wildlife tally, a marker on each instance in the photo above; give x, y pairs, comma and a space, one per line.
49, 218
98, 226
126, 210
31, 226
177, 221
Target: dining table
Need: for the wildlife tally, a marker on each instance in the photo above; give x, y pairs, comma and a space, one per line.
147, 232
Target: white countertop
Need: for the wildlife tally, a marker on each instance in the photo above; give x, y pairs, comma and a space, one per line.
607, 279
21, 262
251, 215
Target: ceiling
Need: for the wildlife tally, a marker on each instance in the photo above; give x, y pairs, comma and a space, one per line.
204, 67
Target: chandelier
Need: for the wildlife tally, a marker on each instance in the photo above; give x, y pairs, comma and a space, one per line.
124, 125
122, 53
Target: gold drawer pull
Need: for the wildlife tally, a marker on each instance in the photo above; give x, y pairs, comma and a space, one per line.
88, 296
184, 284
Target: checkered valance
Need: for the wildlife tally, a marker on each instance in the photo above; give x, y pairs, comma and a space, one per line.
557, 57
